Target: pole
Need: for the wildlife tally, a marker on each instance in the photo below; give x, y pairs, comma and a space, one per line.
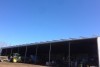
25, 53
18, 49
36, 54
50, 53
69, 53
11, 51
6, 52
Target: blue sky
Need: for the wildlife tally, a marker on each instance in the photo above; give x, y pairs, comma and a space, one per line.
27, 21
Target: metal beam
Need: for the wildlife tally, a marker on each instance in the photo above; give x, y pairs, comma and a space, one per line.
36, 54
69, 53
18, 49
6, 52
25, 53
11, 51
50, 53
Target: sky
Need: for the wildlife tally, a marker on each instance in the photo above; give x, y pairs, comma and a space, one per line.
29, 21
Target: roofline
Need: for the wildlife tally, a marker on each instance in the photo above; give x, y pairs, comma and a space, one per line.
53, 41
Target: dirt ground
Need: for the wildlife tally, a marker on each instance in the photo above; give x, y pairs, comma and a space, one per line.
8, 64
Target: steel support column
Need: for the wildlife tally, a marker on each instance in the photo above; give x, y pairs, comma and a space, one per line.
25, 53
69, 53
36, 54
11, 51
18, 49
6, 53
50, 53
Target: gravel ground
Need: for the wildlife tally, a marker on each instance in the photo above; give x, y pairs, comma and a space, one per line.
8, 64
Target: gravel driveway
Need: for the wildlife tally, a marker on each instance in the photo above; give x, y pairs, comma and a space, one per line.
7, 64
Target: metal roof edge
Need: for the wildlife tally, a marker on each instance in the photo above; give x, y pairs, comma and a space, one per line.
47, 42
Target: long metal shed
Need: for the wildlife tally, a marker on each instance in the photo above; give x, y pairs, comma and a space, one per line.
66, 52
